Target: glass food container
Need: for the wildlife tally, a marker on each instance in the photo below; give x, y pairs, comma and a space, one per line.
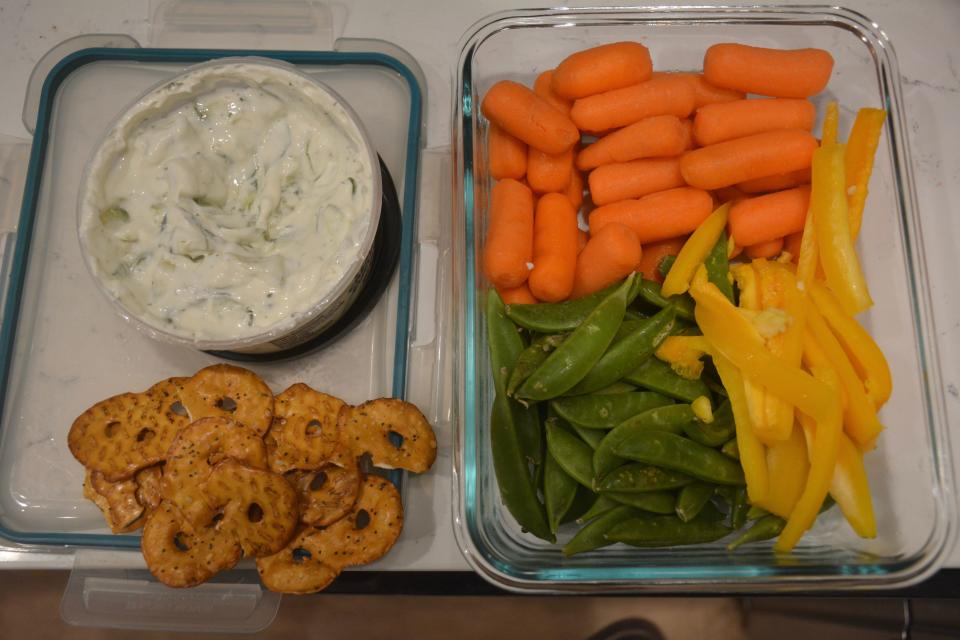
909, 472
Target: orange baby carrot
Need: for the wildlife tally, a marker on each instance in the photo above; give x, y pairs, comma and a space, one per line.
658, 136
727, 120
554, 248
582, 238
541, 87
659, 216
689, 142
574, 190
765, 218
742, 159
549, 172
610, 255
525, 115
781, 73
509, 245
517, 295
729, 194
703, 91
791, 244
603, 68
769, 249
654, 252
660, 96
635, 179
508, 156
776, 182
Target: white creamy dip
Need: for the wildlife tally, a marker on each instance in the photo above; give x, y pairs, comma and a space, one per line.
229, 203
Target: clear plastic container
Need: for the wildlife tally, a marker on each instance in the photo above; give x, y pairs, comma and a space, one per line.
910, 474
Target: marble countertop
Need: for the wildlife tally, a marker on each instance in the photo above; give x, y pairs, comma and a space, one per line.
923, 32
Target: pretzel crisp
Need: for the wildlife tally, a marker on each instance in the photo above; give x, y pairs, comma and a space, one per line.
304, 434
327, 494
124, 503
226, 391
369, 427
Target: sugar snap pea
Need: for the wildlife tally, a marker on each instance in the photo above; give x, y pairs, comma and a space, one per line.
628, 326
715, 433
718, 268
582, 502
738, 512
647, 530
531, 358
605, 411
556, 317
666, 262
585, 345
570, 452
559, 490
629, 352
601, 505
692, 498
675, 452
656, 375
593, 535
649, 292
653, 501
730, 449
616, 387
765, 528
510, 460
755, 512
670, 418
639, 477
591, 436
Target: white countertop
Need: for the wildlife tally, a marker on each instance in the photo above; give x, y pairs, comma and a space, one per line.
923, 32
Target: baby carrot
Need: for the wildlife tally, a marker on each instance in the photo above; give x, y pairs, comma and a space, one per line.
582, 238
603, 68
658, 136
727, 120
509, 245
574, 190
659, 216
654, 252
742, 159
527, 116
791, 244
769, 217
781, 73
689, 142
611, 254
517, 295
776, 182
508, 156
635, 179
554, 248
703, 91
541, 87
664, 95
549, 172
769, 249
729, 194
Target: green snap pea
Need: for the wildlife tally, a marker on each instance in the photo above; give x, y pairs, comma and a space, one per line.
647, 530
628, 353
582, 349
653, 501
738, 512
765, 528
730, 449
718, 267
665, 264
670, 418
601, 505
593, 535
692, 499
591, 436
633, 315
582, 502
510, 460
649, 292
628, 326
755, 512
675, 452
571, 453
559, 490
531, 358
616, 387
605, 411
638, 477
557, 317
656, 375
715, 433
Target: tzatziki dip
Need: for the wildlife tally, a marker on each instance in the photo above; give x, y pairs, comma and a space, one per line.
234, 201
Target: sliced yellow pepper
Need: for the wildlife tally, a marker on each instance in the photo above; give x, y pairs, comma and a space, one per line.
864, 354
808, 262
858, 160
831, 123
683, 354
694, 252
823, 460
746, 279
788, 466
828, 202
851, 489
753, 457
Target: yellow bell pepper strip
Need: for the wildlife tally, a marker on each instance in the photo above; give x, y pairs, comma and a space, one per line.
753, 456
850, 488
823, 460
864, 354
831, 123
702, 410
788, 466
859, 417
828, 202
858, 160
808, 262
683, 354
694, 252
746, 279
